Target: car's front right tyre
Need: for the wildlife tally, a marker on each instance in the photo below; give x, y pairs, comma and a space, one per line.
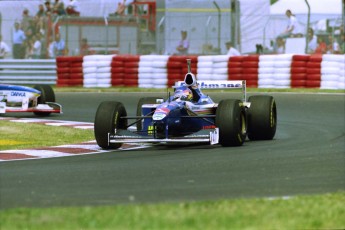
47, 95
231, 121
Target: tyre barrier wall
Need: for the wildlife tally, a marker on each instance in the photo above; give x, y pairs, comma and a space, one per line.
161, 71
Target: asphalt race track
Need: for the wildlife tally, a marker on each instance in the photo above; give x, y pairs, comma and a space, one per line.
307, 156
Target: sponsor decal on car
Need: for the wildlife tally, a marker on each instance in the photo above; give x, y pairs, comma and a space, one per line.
150, 130
162, 110
158, 116
215, 84
18, 94
214, 136
220, 85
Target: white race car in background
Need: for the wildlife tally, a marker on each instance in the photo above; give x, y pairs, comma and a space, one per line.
40, 99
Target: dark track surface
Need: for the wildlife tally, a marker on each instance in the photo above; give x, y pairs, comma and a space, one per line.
307, 156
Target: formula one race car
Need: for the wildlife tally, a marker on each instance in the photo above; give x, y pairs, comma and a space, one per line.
188, 116
40, 99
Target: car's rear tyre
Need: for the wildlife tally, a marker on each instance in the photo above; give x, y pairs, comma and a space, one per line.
107, 119
47, 95
231, 121
262, 117
141, 102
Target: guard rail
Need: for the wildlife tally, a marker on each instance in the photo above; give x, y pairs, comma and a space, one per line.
28, 71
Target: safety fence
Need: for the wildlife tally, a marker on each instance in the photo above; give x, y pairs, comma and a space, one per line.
161, 71
28, 71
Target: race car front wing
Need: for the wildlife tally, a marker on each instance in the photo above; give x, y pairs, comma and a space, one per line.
48, 107
210, 136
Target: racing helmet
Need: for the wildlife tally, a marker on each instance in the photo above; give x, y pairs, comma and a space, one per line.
183, 94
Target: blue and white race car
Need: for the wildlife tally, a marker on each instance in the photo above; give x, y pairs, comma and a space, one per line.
40, 99
188, 116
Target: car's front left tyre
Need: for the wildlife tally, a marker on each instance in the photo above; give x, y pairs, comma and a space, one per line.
108, 119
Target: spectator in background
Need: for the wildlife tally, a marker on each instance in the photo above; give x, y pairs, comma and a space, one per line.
59, 8
293, 27
231, 50
84, 47
279, 46
72, 8
321, 47
342, 43
29, 45
50, 48
37, 46
48, 7
312, 41
26, 20
39, 25
40, 13
18, 42
30, 31
4, 49
183, 44
121, 6
59, 46
333, 45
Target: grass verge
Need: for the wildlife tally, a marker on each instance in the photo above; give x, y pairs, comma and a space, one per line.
15, 135
300, 212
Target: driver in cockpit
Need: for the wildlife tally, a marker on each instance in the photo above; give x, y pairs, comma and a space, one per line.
191, 89
192, 85
183, 93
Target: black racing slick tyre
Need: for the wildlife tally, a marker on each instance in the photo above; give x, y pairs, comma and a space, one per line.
47, 95
262, 117
141, 102
231, 121
107, 119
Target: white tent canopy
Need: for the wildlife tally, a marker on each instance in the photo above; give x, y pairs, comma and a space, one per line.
252, 22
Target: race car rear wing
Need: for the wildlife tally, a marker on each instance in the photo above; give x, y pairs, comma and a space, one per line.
190, 81
219, 85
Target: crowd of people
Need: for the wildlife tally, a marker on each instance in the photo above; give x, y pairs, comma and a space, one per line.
331, 44
34, 36
322, 44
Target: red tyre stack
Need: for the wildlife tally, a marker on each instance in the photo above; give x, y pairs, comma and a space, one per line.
235, 68
174, 69
76, 71
314, 71
131, 65
62, 71
69, 71
250, 70
117, 70
299, 71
